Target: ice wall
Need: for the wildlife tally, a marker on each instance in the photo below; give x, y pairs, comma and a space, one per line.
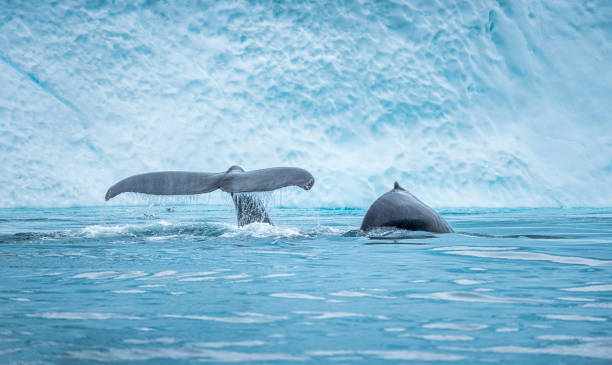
465, 103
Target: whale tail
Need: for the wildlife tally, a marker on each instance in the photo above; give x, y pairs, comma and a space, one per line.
235, 180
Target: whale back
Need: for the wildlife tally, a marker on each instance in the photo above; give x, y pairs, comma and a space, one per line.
398, 208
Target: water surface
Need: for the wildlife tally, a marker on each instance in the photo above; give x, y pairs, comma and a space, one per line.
118, 284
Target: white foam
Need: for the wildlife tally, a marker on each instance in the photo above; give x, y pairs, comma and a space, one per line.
261, 230
171, 250
576, 299
283, 253
330, 352
598, 305
573, 338
94, 231
532, 256
479, 248
330, 315
97, 230
131, 275
10, 351
412, 355
324, 230
237, 276
468, 282
81, 315
296, 296
230, 344
96, 275
591, 349
470, 297
574, 317
200, 278
163, 274
161, 238
269, 276
204, 354
356, 294
245, 317
457, 326
129, 291
606, 287
447, 337
506, 329
387, 355
19, 299
201, 273
164, 340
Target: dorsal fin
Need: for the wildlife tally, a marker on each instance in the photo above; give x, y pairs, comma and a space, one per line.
235, 168
397, 186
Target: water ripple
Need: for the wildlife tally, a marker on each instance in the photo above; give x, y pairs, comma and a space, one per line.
471, 297
81, 315
240, 318
532, 256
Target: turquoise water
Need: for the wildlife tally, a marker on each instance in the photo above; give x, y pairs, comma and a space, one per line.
465, 103
118, 284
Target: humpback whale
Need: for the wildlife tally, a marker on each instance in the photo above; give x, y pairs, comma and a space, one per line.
236, 181
398, 208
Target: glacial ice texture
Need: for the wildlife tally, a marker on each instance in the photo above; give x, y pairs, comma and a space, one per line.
466, 103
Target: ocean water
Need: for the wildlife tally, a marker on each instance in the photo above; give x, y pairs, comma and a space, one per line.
181, 283
483, 103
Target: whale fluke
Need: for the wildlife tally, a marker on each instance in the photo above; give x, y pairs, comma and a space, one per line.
167, 183
398, 208
266, 180
234, 180
249, 208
